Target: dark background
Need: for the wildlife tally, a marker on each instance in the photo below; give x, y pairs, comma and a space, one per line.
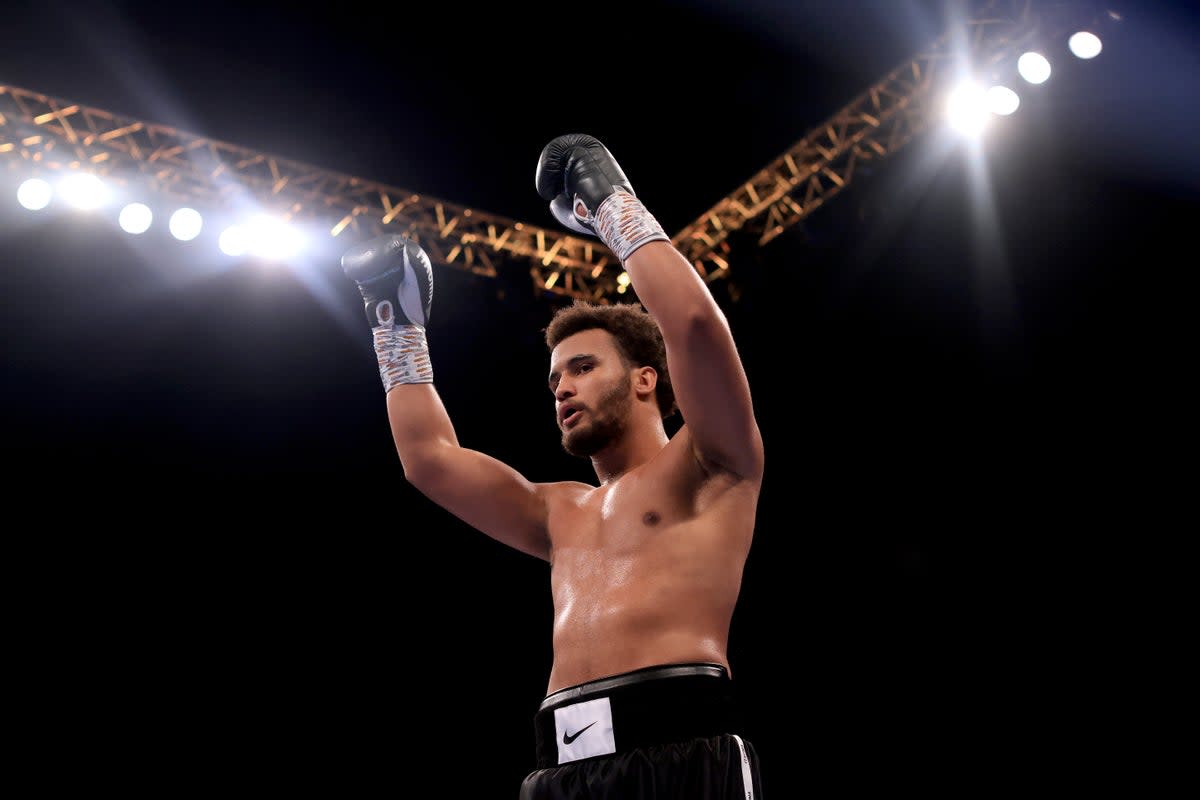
961, 367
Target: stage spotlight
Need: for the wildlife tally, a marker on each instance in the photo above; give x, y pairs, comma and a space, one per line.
1084, 44
234, 240
1002, 100
83, 190
135, 218
1033, 67
185, 224
34, 194
273, 239
967, 108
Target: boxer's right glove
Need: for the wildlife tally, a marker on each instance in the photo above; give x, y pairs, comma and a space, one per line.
589, 193
395, 278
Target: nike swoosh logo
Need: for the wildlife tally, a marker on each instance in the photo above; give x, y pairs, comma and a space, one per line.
570, 737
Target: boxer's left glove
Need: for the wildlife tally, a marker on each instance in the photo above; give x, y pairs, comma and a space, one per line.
589, 193
395, 278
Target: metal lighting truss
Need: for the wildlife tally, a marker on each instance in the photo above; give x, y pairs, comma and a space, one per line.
52, 133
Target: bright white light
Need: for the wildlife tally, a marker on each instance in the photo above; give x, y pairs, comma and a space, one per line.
1033, 67
135, 218
83, 190
1084, 44
1002, 100
234, 240
966, 109
274, 239
185, 224
34, 194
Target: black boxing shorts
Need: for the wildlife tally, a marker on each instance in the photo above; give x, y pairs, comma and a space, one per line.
670, 731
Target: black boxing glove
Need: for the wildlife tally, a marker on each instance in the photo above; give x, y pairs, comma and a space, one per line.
589, 194
395, 278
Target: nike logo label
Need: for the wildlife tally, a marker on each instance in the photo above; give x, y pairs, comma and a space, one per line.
570, 737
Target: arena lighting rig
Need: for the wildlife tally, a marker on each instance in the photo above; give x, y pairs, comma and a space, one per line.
93, 158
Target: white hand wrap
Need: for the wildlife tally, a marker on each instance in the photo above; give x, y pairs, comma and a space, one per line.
403, 355
624, 224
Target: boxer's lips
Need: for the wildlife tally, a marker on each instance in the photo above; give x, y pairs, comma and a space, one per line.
568, 415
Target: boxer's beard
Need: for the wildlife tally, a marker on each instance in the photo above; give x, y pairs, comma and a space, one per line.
604, 424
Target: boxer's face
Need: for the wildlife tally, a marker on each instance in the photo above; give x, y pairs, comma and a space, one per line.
593, 391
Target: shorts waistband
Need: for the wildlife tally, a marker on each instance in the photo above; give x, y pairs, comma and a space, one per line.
644, 707
601, 685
